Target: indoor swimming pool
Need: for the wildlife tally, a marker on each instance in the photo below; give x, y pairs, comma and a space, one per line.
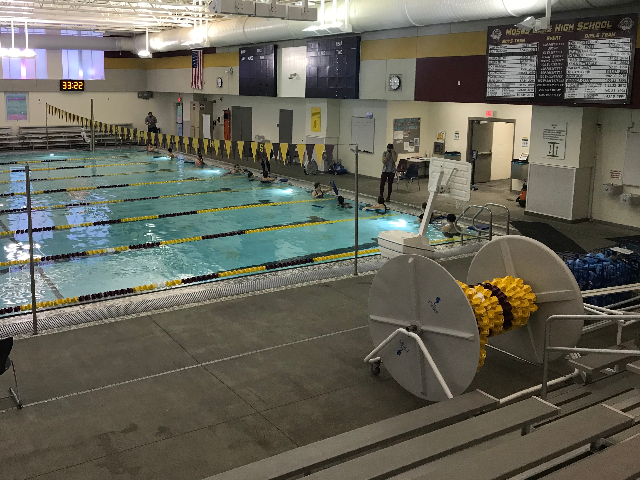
120, 220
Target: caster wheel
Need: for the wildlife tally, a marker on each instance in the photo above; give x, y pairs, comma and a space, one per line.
375, 369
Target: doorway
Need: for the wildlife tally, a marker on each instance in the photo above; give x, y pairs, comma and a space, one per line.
285, 125
179, 119
493, 140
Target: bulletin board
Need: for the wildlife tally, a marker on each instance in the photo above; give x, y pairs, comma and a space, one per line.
406, 135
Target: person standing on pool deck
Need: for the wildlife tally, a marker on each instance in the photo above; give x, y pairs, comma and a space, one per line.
151, 121
389, 160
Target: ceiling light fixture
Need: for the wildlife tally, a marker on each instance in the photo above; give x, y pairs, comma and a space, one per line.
537, 24
14, 52
145, 53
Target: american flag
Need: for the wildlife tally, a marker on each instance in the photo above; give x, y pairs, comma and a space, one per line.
196, 69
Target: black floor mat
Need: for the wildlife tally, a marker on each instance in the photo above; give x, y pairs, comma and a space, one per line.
628, 239
552, 238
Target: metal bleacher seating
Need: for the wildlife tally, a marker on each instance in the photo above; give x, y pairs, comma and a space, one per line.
8, 141
582, 430
58, 137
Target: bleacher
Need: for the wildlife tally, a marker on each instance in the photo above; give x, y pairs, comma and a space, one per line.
8, 141
58, 137
588, 431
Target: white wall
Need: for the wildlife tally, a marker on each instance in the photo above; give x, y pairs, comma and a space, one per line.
265, 115
179, 80
543, 117
452, 117
292, 60
614, 123
374, 79
113, 107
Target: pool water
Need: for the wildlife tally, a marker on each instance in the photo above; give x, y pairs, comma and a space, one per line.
188, 189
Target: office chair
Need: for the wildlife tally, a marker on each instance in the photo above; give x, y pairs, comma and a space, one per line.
6, 344
410, 175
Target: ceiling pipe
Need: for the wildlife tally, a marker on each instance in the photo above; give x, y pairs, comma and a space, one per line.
363, 15
367, 16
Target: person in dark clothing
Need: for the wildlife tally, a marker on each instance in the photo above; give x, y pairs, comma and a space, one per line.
151, 121
389, 160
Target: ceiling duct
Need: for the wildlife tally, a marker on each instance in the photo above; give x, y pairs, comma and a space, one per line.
367, 16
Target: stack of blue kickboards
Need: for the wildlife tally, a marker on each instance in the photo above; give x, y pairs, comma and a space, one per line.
604, 269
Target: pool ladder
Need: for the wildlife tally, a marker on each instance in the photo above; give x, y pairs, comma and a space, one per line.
485, 230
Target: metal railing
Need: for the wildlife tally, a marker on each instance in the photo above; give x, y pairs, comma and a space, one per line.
548, 348
480, 209
507, 215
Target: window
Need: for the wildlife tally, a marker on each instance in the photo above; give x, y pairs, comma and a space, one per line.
16, 106
83, 33
25, 68
83, 64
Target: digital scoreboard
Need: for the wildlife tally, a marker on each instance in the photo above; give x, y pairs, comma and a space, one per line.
71, 85
573, 61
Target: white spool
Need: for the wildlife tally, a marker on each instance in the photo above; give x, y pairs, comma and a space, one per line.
556, 289
413, 290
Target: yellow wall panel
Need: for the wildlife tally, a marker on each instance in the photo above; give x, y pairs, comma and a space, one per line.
452, 45
388, 48
169, 62
230, 59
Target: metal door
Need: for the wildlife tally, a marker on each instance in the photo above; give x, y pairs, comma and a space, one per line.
286, 126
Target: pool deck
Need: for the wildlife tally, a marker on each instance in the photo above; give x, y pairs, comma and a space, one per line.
189, 393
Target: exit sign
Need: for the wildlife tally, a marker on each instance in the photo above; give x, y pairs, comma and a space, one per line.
489, 113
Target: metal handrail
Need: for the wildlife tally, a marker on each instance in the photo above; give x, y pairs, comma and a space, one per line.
473, 221
547, 348
501, 206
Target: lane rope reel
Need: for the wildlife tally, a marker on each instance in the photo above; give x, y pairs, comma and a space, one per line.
430, 330
501, 305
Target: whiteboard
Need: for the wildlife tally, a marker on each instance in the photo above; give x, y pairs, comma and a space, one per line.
456, 181
362, 133
631, 169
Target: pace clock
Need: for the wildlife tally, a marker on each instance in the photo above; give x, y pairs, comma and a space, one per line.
71, 85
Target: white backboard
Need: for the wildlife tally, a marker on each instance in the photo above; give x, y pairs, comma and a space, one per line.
456, 182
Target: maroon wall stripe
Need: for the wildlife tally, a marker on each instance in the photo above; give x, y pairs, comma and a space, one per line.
437, 79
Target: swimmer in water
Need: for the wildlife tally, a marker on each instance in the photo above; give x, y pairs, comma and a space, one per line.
342, 203
318, 191
236, 170
381, 207
266, 178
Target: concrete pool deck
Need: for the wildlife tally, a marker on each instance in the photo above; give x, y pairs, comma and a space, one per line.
188, 393
192, 392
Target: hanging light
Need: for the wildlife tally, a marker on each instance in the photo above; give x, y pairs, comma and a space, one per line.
145, 53
14, 52
27, 52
